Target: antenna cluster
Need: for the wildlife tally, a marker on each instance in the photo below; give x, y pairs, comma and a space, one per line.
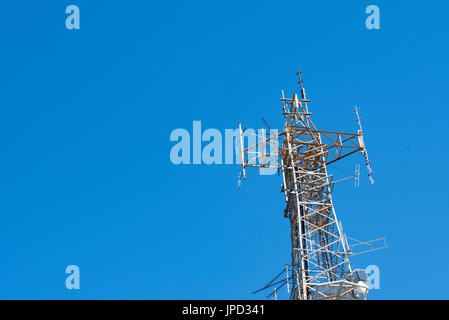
320, 267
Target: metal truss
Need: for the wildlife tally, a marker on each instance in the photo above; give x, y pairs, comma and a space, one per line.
320, 266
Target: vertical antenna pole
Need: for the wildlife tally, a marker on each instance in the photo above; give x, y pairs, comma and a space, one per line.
303, 91
357, 175
362, 144
242, 154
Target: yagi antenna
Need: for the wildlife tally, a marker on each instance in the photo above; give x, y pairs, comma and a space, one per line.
362, 144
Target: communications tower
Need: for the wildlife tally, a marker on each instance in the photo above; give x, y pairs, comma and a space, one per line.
320, 267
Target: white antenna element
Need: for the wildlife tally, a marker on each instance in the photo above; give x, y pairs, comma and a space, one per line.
362, 144
239, 182
239, 150
238, 145
357, 176
345, 239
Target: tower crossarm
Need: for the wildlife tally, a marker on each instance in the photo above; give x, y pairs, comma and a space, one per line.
318, 146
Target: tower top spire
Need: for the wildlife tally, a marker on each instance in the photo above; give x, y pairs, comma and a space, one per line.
303, 91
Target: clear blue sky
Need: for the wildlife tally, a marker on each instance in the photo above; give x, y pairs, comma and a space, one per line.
86, 115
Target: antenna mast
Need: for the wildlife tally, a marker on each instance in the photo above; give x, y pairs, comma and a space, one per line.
320, 266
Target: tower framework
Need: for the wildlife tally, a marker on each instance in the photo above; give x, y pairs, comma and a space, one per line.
320, 267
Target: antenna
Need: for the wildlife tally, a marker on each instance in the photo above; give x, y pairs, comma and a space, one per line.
239, 182
303, 91
362, 145
357, 176
268, 126
359, 120
238, 145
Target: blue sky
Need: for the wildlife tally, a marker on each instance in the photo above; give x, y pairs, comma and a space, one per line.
86, 115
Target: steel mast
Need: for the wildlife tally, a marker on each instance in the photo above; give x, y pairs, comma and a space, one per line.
320, 266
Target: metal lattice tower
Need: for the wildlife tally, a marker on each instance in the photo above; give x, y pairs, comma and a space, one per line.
320, 266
